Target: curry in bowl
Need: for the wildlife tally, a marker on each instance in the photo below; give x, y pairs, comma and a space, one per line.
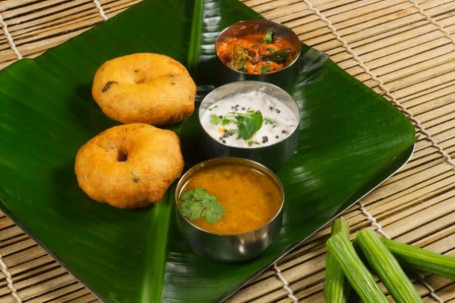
257, 47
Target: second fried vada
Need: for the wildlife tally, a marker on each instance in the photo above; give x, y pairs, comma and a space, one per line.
144, 87
130, 165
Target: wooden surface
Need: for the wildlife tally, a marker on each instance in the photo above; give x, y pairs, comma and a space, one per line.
402, 49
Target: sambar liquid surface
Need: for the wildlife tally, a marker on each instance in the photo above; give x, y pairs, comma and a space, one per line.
250, 198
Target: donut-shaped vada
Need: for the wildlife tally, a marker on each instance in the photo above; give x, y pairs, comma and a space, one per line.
144, 87
130, 165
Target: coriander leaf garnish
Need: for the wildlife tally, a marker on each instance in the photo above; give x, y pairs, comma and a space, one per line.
269, 121
268, 37
191, 210
252, 142
225, 121
248, 123
239, 57
214, 119
264, 68
198, 203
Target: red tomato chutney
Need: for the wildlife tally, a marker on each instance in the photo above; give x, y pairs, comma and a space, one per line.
249, 197
256, 53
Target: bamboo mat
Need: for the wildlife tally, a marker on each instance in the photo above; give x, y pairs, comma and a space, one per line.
402, 49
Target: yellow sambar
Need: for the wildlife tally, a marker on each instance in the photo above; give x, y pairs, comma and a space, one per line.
250, 198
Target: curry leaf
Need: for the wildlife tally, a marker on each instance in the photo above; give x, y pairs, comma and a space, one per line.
279, 56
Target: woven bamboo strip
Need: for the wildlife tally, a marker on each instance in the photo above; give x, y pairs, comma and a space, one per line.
16, 259
426, 84
51, 280
5, 222
440, 94
34, 271
17, 247
44, 25
10, 232
31, 262
58, 294
11, 241
432, 113
394, 27
403, 18
353, 32
394, 36
383, 55
41, 12
411, 65
425, 189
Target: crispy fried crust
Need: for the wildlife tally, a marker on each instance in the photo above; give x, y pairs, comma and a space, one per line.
144, 87
130, 165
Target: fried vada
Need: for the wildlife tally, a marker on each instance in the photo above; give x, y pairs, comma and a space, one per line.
130, 165
144, 87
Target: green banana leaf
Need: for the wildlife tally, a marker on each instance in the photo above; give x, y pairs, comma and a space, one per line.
351, 139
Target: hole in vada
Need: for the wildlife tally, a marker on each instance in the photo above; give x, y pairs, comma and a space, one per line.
122, 156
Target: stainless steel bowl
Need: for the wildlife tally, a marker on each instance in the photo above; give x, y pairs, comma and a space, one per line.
284, 78
229, 248
273, 156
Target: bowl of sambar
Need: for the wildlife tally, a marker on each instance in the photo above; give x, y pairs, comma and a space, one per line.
229, 209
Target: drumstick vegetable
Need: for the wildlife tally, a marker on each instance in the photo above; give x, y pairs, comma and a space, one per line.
386, 267
422, 259
355, 271
336, 287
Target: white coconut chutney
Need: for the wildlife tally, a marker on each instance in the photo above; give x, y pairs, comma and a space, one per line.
236, 120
